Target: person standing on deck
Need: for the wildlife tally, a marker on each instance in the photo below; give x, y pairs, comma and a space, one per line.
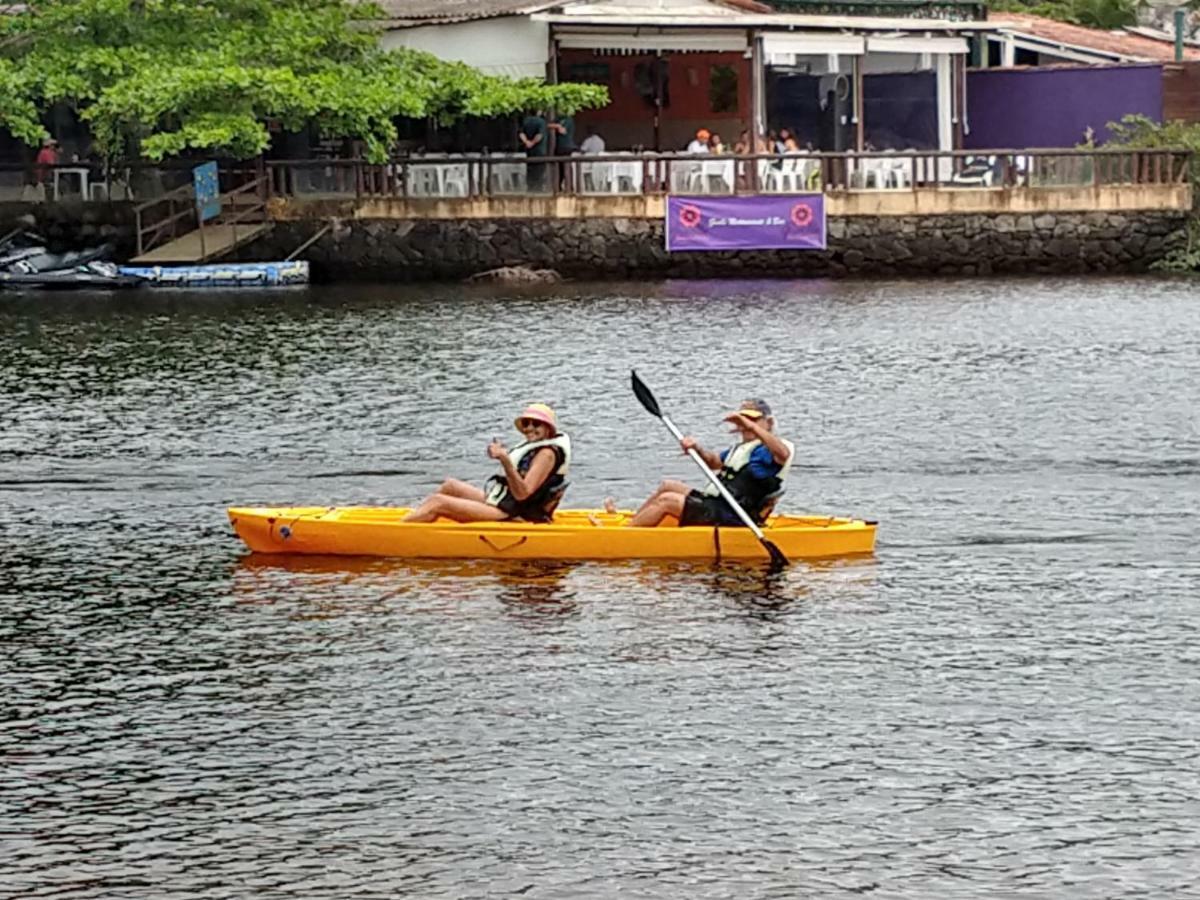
753, 471
47, 158
564, 135
563, 144
535, 140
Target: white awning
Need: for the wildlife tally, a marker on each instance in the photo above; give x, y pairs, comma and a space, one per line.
813, 43
512, 46
644, 40
916, 44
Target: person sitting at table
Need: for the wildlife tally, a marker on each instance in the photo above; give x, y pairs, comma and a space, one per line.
787, 141
699, 143
529, 488
715, 145
742, 147
593, 144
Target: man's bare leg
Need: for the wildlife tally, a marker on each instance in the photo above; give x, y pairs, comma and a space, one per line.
666, 487
657, 508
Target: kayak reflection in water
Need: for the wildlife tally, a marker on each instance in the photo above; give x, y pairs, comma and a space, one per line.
753, 471
532, 483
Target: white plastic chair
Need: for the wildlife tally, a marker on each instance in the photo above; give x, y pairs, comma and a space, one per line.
709, 170
792, 174
899, 173
508, 178
422, 178
597, 177
455, 180
627, 172
767, 176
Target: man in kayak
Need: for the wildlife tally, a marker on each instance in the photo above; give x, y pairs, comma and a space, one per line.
530, 487
753, 471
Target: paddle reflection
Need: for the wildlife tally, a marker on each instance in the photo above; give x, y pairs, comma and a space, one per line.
764, 591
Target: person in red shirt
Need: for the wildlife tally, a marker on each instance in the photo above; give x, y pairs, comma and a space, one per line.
47, 158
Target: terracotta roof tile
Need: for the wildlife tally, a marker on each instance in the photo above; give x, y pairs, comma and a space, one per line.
1128, 45
460, 10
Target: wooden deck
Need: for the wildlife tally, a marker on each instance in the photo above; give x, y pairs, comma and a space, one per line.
198, 247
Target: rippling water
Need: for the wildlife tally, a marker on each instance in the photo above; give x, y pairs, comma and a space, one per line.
1004, 700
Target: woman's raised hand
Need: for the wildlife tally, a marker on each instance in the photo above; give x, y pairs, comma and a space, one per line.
496, 449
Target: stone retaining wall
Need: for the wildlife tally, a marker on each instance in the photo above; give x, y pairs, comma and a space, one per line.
72, 225
416, 250
976, 244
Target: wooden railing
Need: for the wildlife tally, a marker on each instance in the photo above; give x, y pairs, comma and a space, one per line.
246, 204
162, 219
174, 214
441, 177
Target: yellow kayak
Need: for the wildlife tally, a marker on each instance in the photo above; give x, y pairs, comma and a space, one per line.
574, 534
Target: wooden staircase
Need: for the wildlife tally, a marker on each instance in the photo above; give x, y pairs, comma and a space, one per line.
169, 229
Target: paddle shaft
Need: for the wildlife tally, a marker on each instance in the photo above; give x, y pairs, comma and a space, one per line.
711, 476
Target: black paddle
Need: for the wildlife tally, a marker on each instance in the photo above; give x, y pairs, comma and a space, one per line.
647, 400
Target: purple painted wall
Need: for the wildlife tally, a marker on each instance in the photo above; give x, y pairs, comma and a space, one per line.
1027, 108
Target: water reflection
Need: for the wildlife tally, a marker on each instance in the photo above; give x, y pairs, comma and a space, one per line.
546, 588
191, 722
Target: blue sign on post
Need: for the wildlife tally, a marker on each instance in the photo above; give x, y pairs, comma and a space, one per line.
208, 191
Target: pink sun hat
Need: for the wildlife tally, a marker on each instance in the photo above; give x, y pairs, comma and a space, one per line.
539, 412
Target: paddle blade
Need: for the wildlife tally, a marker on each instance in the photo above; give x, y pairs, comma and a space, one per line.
778, 560
644, 396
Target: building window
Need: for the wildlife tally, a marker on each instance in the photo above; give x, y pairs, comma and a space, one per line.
589, 73
723, 89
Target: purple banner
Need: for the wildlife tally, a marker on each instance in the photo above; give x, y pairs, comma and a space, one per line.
791, 222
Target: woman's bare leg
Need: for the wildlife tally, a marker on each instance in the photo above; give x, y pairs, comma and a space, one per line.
452, 487
656, 509
459, 509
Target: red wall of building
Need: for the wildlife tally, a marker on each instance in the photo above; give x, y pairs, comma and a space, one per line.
628, 120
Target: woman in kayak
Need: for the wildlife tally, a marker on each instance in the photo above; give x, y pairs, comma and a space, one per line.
530, 487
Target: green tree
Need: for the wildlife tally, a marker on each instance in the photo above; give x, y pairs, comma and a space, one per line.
1136, 132
158, 77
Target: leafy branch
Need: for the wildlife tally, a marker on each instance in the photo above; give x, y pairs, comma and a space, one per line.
170, 76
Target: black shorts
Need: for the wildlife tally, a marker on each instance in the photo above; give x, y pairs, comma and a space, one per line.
514, 510
704, 509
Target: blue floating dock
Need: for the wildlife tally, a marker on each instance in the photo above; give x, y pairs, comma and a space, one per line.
268, 274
